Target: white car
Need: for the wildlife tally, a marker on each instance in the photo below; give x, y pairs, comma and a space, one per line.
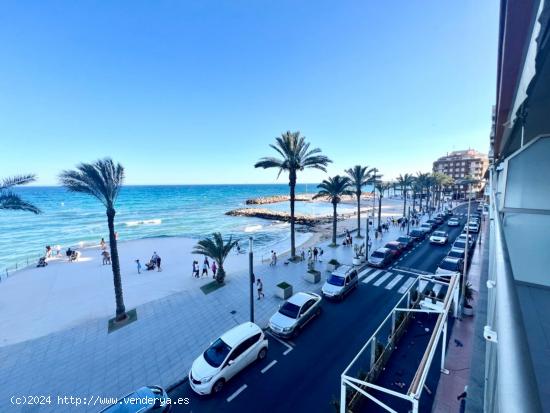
450, 266
473, 227
453, 222
462, 237
439, 237
342, 281
294, 314
227, 356
427, 228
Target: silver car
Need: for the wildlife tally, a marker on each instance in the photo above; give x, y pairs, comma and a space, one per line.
341, 282
294, 314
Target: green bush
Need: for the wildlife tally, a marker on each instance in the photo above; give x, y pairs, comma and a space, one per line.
334, 261
284, 285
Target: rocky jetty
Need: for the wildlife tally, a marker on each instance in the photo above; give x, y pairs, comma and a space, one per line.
299, 219
277, 198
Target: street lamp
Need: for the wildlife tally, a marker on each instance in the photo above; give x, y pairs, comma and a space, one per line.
367, 240
251, 275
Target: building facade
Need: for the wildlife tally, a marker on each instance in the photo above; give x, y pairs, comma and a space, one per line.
461, 165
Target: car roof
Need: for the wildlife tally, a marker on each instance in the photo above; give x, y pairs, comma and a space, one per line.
392, 243
439, 232
301, 298
404, 236
382, 250
342, 270
451, 259
237, 334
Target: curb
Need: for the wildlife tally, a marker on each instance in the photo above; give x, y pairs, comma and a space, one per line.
178, 383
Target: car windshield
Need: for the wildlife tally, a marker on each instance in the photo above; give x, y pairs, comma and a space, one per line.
403, 239
456, 253
416, 233
216, 353
392, 247
336, 280
290, 310
460, 244
377, 254
426, 225
439, 234
448, 265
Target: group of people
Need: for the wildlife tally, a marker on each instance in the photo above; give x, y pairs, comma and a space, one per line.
313, 254
348, 240
153, 263
273, 261
205, 267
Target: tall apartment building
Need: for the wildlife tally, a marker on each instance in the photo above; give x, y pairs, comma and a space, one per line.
462, 164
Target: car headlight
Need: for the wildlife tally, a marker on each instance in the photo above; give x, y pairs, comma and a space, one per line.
287, 329
206, 379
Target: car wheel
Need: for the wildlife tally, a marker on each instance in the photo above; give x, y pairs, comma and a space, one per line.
262, 354
218, 386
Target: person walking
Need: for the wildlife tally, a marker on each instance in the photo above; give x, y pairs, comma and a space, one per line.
158, 263
260, 288
274, 258
303, 255
214, 269
205, 267
320, 254
102, 243
138, 264
315, 253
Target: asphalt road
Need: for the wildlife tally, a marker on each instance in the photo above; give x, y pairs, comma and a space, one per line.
303, 375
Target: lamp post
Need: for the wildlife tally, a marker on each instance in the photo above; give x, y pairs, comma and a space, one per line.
409, 221
251, 274
367, 240
466, 251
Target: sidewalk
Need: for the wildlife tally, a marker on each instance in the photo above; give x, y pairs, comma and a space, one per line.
159, 348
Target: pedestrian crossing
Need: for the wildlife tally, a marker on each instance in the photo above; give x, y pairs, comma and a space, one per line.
391, 280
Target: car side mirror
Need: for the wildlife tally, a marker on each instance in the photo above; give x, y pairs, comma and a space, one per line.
230, 362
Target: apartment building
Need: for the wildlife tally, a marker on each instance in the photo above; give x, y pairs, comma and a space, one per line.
459, 165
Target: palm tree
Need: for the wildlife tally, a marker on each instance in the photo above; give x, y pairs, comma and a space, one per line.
333, 188
359, 177
295, 156
12, 201
405, 181
217, 249
381, 187
421, 180
103, 180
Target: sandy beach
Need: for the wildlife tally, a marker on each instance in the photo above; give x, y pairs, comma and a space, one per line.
65, 294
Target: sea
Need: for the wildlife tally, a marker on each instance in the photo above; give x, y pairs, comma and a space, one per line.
192, 211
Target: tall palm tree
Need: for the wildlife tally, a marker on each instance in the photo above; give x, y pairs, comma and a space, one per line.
217, 249
381, 187
12, 201
103, 180
333, 188
405, 181
421, 180
359, 177
295, 156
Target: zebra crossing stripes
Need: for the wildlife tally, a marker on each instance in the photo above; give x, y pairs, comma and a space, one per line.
437, 288
422, 285
382, 279
365, 271
372, 276
394, 282
406, 285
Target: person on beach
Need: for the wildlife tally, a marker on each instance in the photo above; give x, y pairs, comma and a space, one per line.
102, 244
274, 258
158, 263
48, 251
195, 272
106, 258
260, 287
214, 269
320, 254
238, 247
138, 264
58, 250
205, 267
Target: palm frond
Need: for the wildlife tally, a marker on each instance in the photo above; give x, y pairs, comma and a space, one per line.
14, 202
215, 247
334, 187
17, 180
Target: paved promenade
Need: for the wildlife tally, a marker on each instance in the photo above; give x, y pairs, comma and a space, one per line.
159, 348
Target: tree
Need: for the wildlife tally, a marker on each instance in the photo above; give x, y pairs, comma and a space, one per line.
295, 156
359, 177
103, 180
421, 180
405, 181
334, 188
217, 249
12, 201
381, 187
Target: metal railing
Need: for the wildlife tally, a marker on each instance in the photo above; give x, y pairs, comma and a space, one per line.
510, 383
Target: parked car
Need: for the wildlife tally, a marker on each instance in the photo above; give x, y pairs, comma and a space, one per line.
294, 314
439, 237
417, 235
450, 266
227, 356
462, 237
395, 248
380, 258
462, 245
341, 282
433, 223
144, 399
473, 227
405, 241
456, 253
426, 227
453, 222
439, 220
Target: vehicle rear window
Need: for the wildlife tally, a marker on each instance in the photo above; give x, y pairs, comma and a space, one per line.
392, 247
378, 254
290, 310
217, 352
460, 244
448, 265
336, 280
403, 239
456, 254
439, 234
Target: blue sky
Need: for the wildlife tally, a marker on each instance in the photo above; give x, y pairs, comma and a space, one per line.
194, 91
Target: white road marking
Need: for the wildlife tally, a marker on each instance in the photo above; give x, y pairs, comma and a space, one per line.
382, 279
288, 346
371, 276
437, 288
364, 272
239, 391
266, 368
393, 282
407, 284
422, 285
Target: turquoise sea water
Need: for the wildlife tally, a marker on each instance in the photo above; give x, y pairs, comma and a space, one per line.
142, 211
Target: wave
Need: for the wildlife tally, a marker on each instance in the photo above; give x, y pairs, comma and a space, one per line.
144, 222
253, 228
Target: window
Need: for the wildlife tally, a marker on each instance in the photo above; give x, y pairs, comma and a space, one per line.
307, 306
245, 345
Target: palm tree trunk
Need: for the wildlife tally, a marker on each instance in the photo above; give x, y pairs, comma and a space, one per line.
334, 223
292, 185
414, 200
115, 264
379, 211
358, 214
404, 202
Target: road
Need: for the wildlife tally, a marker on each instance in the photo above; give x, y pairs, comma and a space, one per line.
303, 375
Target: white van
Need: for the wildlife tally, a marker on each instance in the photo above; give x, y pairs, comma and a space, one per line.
342, 281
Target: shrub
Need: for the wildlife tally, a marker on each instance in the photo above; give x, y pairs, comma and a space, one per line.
284, 285
334, 261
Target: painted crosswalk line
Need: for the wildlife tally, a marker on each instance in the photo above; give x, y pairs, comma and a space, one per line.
372, 276
437, 288
382, 279
422, 285
394, 282
406, 285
